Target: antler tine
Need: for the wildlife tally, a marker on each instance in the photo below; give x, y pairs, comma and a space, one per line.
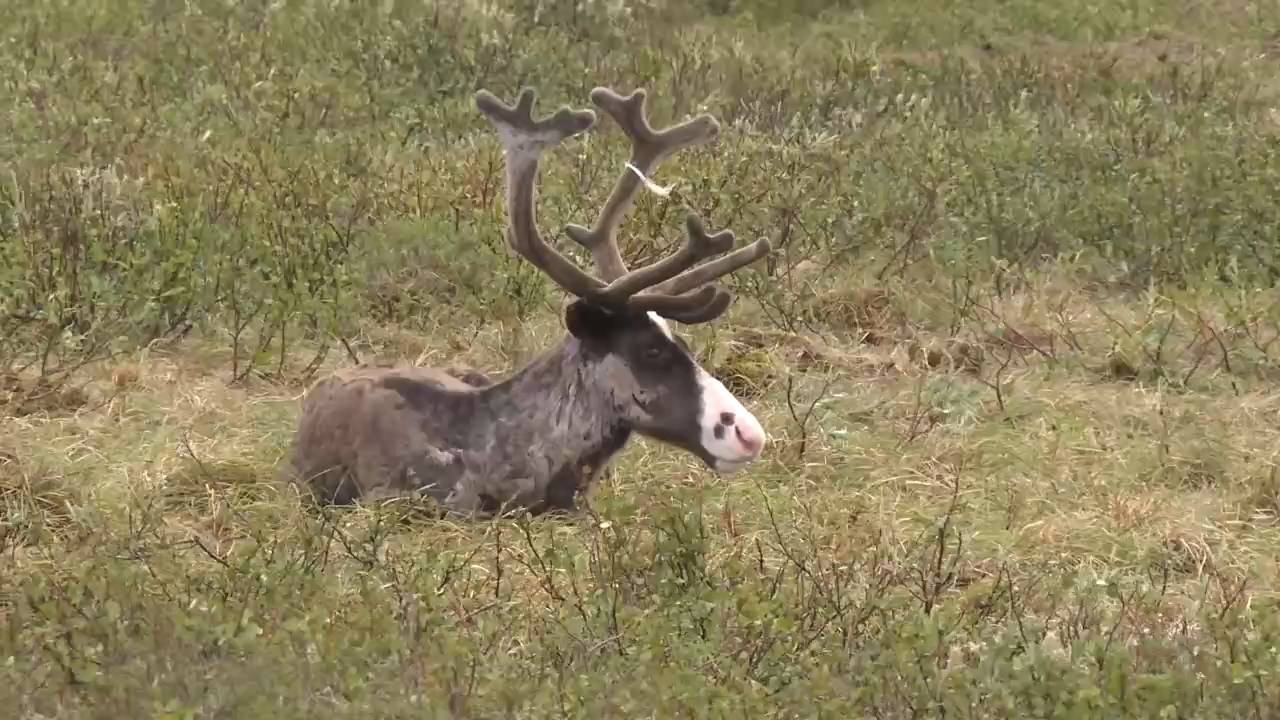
648, 148
523, 140
710, 271
675, 305
698, 245
516, 126
670, 280
712, 310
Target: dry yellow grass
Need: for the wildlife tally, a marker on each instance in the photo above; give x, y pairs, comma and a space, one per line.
1077, 468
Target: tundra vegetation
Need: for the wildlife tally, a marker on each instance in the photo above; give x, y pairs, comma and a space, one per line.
1016, 347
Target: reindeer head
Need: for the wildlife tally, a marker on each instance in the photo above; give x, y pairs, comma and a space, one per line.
619, 316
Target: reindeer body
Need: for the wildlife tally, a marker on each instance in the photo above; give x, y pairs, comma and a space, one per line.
532, 441
536, 440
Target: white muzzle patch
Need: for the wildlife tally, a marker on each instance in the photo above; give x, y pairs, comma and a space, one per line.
730, 433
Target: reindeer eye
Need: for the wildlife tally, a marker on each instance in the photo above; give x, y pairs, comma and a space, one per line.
653, 352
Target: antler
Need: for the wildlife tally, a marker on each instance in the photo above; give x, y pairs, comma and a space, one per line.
523, 140
648, 148
670, 282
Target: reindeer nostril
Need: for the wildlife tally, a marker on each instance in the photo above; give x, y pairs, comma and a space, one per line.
726, 418
718, 431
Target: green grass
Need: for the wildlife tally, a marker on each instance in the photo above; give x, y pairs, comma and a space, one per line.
1017, 352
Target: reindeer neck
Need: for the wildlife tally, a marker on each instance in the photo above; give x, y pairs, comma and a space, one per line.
556, 411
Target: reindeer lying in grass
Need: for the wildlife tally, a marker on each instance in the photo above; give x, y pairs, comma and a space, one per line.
538, 439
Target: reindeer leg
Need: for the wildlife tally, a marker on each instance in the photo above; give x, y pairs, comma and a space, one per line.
561, 493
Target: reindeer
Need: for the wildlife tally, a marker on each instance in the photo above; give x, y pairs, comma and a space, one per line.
538, 439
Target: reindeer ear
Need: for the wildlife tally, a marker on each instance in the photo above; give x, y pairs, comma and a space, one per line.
588, 321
